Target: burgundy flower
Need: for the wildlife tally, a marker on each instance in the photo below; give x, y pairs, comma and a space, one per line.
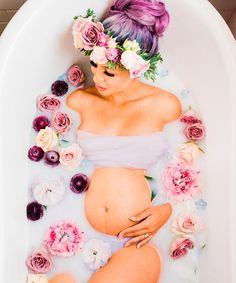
179, 247
34, 211
35, 153
79, 183
52, 157
195, 131
59, 88
40, 122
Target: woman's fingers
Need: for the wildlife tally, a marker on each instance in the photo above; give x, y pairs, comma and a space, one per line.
136, 233
132, 231
143, 242
137, 239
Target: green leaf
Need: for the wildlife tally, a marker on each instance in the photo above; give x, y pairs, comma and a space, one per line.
64, 141
153, 195
45, 207
201, 149
76, 17
149, 178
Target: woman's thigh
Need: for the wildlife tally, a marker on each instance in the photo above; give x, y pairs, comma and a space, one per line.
130, 265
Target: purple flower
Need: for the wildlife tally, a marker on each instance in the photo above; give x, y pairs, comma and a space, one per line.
59, 88
34, 211
103, 39
52, 157
113, 54
35, 153
79, 183
40, 122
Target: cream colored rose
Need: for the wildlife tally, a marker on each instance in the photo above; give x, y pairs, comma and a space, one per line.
98, 55
36, 278
47, 139
186, 223
188, 152
129, 59
71, 156
131, 45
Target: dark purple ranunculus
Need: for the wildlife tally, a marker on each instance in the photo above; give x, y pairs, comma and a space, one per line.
40, 122
34, 211
35, 153
79, 183
59, 88
52, 157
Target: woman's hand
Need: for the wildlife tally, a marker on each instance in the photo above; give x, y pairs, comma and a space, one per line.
149, 222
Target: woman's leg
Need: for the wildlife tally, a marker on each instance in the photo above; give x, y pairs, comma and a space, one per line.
130, 265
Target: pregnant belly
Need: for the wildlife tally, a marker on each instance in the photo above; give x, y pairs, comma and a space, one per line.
114, 195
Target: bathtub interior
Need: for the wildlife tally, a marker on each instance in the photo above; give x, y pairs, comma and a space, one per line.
32, 54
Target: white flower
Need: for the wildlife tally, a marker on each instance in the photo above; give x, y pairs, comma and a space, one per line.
71, 156
112, 43
47, 139
98, 55
48, 190
131, 45
129, 59
96, 253
36, 278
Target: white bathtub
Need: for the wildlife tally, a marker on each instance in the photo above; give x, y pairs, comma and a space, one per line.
198, 47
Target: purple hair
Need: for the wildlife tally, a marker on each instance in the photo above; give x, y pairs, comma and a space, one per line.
143, 20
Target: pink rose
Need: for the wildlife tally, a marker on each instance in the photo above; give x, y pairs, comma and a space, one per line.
47, 103
103, 39
39, 261
98, 55
86, 33
75, 75
189, 117
179, 247
194, 131
71, 156
64, 239
62, 122
188, 152
113, 54
180, 181
186, 223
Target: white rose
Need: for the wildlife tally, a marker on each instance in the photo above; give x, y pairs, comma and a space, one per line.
36, 278
188, 152
98, 55
129, 59
139, 68
131, 45
71, 156
47, 139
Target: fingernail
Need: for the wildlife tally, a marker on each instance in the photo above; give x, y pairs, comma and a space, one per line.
127, 244
120, 237
133, 218
138, 246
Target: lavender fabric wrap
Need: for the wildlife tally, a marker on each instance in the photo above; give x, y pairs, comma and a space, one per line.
137, 151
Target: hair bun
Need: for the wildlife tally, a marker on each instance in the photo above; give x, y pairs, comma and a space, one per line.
150, 13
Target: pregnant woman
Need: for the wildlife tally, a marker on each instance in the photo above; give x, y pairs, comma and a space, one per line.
121, 132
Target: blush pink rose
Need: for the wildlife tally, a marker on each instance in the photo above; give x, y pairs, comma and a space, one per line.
180, 181
86, 33
194, 131
64, 239
75, 75
98, 55
48, 103
39, 261
190, 117
188, 152
180, 247
47, 139
62, 122
71, 156
186, 223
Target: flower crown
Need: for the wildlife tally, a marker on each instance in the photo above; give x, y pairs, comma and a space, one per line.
89, 36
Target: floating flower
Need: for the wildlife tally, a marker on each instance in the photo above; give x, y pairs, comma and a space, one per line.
75, 75
37, 278
71, 156
179, 247
39, 261
34, 211
194, 132
96, 253
64, 239
40, 122
62, 122
59, 88
48, 190
186, 223
86, 33
79, 183
52, 158
98, 55
35, 153
188, 152
180, 181
47, 139
48, 103
190, 117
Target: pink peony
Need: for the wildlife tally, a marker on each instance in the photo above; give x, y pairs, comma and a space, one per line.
179, 247
189, 117
86, 33
188, 152
180, 181
103, 39
75, 75
48, 103
113, 54
64, 239
62, 122
39, 261
194, 131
